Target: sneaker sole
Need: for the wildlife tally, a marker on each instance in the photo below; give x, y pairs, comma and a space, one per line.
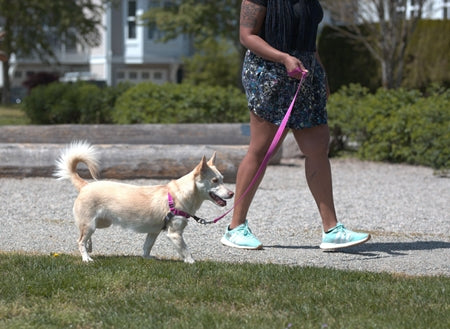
231, 244
336, 246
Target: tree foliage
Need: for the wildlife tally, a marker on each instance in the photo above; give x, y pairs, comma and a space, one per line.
203, 19
213, 25
34, 27
216, 63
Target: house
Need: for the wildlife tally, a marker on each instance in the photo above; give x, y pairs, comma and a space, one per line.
129, 51
432, 9
364, 10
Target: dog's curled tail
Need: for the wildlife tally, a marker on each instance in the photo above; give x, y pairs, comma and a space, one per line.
76, 152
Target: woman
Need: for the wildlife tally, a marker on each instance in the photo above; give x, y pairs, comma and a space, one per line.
280, 36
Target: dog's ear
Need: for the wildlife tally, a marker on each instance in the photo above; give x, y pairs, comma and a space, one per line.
201, 166
212, 160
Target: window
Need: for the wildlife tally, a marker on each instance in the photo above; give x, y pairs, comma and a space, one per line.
152, 29
157, 76
131, 19
120, 75
70, 41
18, 74
154, 4
145, 75
132, 75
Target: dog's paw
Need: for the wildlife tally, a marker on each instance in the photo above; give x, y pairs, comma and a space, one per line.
148, 257
87, 259
189, 260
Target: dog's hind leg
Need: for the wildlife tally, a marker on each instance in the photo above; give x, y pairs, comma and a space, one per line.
85, 243
177, 239
149, 242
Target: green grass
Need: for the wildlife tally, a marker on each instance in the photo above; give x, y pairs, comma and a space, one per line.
12, 115
38, 291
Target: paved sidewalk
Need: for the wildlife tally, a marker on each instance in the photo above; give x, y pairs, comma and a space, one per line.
405, 208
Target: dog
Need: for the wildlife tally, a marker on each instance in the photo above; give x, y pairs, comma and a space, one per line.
144, 209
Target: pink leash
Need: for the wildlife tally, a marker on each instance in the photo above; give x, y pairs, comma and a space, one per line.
274, 144
261, 168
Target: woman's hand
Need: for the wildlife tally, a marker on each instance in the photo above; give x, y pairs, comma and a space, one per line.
294, 67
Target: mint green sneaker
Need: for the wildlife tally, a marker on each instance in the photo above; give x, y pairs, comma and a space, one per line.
339, 237
241, 237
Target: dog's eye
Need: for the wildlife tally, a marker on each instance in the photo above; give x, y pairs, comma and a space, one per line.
215, 180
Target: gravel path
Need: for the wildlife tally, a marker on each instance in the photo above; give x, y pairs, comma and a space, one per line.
405, 208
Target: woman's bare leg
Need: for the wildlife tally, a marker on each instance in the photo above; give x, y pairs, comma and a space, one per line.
313, 143
261, 135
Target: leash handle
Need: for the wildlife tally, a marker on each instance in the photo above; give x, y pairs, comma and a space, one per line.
271, 149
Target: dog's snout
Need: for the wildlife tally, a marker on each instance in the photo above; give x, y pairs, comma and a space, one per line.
230, 194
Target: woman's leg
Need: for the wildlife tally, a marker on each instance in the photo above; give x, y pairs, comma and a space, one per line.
262, 133
313, 143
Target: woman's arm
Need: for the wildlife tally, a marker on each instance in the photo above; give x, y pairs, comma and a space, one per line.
251, 22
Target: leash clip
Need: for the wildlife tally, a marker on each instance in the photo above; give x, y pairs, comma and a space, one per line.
202, 221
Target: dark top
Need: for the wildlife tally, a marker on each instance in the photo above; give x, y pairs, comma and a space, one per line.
304, 25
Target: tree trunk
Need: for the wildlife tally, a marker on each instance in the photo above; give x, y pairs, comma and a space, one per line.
387, 76
6, 92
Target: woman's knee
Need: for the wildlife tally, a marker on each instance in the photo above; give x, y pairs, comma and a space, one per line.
261, 135
313, 141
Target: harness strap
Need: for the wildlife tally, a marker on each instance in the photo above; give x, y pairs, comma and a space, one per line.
175, 212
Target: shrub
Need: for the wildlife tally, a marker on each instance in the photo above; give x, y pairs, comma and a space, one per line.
109, 98
39, 105
180, 103
393, 125
426, 58
80, 102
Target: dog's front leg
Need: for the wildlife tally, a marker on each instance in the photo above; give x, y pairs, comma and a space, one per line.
175, 234
149, 242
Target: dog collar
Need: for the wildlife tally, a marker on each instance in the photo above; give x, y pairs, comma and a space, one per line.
173, 210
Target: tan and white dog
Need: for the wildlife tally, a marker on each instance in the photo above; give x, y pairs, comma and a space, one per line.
144, 209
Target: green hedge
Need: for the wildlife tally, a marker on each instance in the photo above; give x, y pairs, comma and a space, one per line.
393, 125
80, 102
427, 56
59, 103
180, 103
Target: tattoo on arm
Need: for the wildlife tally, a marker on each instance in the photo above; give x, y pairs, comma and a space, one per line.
250, 14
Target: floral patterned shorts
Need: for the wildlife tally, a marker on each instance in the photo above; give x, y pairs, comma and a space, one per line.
270, 91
